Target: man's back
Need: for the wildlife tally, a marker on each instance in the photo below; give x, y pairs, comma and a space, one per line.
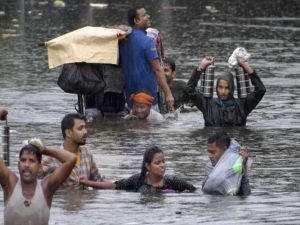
136, 53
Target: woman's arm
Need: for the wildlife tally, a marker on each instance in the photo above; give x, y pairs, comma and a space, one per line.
178, 184
98, 184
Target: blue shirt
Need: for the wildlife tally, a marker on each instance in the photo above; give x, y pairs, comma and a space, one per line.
137, 51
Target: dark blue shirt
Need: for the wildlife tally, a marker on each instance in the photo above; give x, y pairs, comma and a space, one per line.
137, 51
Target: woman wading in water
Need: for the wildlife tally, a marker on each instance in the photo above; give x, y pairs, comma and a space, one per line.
151, 179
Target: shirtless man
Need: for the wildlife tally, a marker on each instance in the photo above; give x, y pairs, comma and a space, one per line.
27, 199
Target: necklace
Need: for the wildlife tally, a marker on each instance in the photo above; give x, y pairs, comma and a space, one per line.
28, 194
27, 203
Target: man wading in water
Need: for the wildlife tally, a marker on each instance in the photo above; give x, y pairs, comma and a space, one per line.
225, 110
27, 199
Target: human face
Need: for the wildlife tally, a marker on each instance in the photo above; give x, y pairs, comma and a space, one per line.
169, 73
142, 19
140, 110
214, 153
78, 133
29, 167
157, 167
223, 89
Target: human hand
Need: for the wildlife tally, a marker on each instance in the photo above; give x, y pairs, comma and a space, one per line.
3, 113
82, 180
133, 117
170, 103
37, 142
244, 152
245, 65
125, 31
125, 28
206, 61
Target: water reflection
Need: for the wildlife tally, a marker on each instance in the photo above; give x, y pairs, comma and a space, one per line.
76, 200
268, 29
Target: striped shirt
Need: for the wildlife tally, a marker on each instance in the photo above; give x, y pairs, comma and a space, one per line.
87, 169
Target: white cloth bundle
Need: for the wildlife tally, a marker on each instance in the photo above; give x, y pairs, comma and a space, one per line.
239, 52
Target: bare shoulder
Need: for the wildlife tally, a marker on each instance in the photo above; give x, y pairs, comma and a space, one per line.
9, 185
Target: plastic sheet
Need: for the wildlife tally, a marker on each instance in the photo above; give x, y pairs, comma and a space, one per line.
225, 177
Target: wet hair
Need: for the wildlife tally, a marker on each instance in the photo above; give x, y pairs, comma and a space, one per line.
132, 14
33, 149
68, 122
171, 63
221, 138
148, 157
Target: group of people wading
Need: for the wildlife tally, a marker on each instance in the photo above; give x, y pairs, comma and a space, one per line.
28, 196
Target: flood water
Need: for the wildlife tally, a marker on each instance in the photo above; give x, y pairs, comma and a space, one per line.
270, 30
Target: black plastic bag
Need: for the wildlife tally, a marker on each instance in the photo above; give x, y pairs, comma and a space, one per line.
81, 78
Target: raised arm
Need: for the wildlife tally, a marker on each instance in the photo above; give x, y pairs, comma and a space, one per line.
190, 89
162, 82
52, 182
4, 173
7, 180
254, 97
